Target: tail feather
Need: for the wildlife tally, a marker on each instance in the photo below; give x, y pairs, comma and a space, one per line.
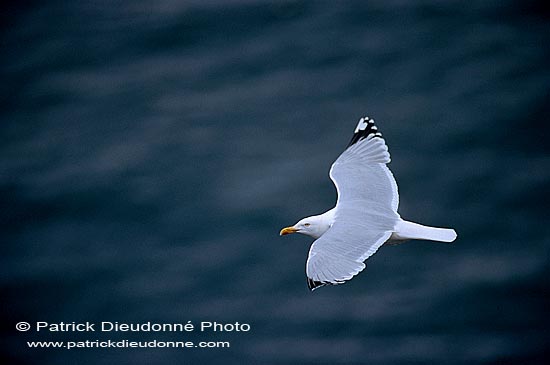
405, 230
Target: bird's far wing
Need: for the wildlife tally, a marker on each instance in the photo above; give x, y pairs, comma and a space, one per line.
361, 172
366, 211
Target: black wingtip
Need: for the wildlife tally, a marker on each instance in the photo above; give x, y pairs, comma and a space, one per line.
365, 127
313, 284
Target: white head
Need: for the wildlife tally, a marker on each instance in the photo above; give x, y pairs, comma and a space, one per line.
314, 226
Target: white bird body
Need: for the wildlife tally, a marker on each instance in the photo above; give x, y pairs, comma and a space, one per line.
365, 216
402, 231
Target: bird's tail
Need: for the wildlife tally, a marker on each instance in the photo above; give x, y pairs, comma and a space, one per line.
405, 230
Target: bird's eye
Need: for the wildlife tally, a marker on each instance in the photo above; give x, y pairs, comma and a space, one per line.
307, 224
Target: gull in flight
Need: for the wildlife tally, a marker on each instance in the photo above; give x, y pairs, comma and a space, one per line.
365, 216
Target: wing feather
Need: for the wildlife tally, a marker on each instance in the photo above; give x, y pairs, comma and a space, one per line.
366, 210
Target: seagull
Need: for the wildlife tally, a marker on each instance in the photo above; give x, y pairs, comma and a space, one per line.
365, 216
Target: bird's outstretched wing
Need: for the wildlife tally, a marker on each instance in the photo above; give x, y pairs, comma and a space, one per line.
366, 210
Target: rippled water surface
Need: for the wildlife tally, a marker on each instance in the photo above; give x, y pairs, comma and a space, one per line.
151, 151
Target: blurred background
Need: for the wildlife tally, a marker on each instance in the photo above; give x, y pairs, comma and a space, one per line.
151, 151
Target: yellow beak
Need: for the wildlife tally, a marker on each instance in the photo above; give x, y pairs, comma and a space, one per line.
287, 230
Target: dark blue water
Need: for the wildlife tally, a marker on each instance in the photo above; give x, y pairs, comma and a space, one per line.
151, 151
